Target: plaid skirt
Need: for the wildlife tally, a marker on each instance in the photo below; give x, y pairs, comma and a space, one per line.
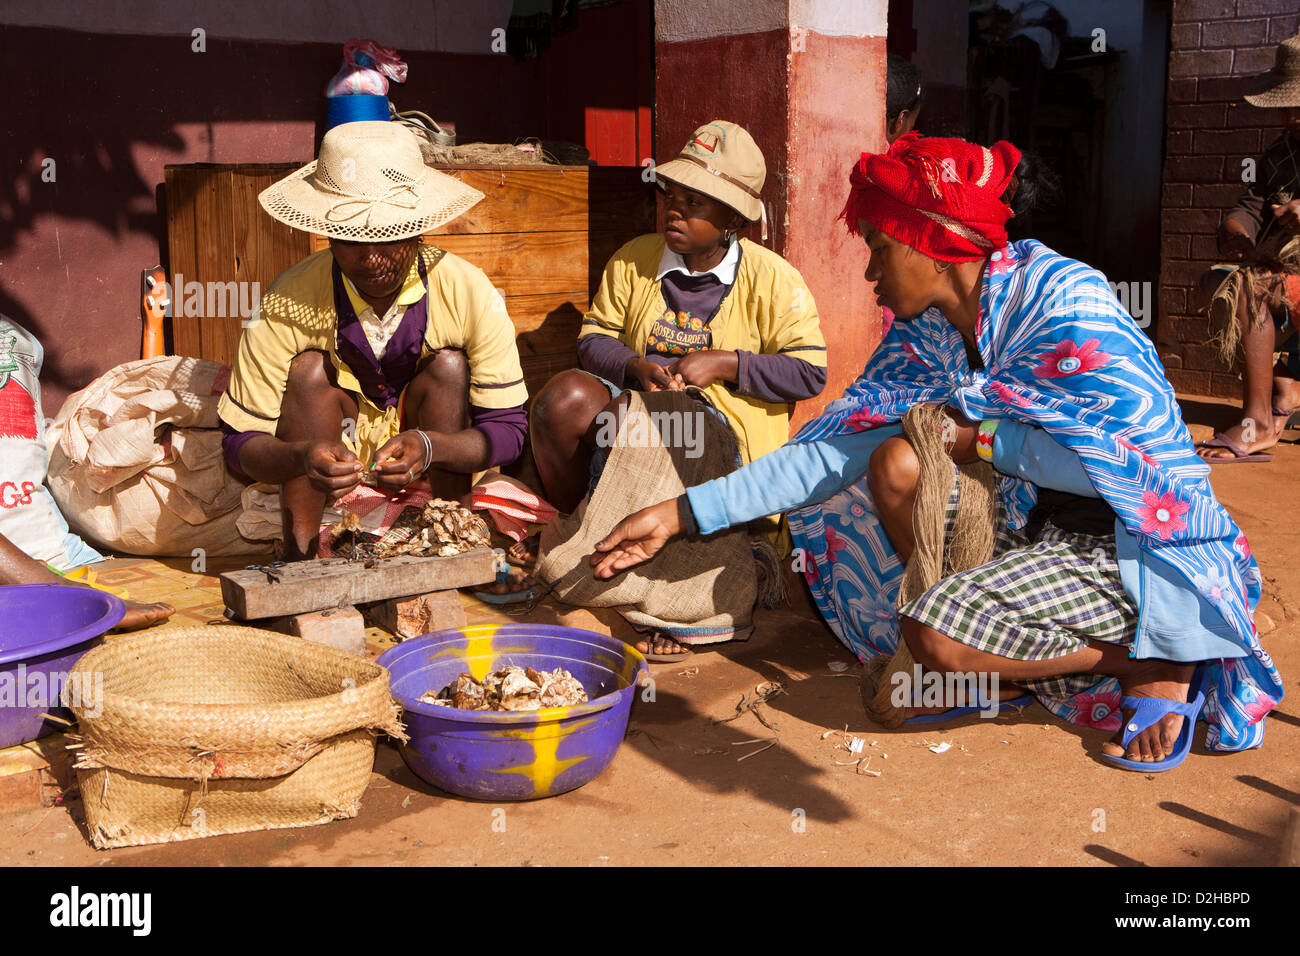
1035, 601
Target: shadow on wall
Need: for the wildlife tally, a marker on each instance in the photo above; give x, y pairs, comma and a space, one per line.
99, 116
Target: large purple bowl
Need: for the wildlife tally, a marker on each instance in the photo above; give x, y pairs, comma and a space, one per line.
44, 630
490, 755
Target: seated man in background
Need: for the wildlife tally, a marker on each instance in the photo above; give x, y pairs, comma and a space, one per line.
1252, 303
381, 358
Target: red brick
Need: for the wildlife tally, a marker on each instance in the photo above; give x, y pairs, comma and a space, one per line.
1219, 89
1178, 141
1172, 299
1185, 10
1201, 116
1250, 62
1234, 143
1257, 8
1192, 330
1202, 355
1235, 33
1185, 36
1170, 359
1218, 196
1185, 381
1283, 27
1176, 245
1204, 247
1176, 195
1225, 385
1190, 220
1194, 169
1200, 63
1184, 272
1244, 116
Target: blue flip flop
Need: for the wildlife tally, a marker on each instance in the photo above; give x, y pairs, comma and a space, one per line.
1022, 701
510, 597
1148, 711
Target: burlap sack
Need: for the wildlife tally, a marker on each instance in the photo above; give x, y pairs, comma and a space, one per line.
199, 731
699, 590
135, 461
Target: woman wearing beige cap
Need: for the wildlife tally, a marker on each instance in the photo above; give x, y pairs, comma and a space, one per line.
691, 306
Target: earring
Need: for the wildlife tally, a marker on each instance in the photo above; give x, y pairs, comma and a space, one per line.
940, 267
728, 236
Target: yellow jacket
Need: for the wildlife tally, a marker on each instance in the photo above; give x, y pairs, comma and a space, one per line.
768, 310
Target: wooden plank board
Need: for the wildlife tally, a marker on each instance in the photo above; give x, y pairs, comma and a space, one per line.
181, 183
521, 199
335, 582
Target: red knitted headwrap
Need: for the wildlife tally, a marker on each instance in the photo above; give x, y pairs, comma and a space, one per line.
942, 197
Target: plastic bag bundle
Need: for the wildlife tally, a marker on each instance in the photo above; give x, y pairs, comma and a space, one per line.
367, 68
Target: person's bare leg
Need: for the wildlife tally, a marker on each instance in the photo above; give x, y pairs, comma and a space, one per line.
1138, 678
313, 409
561, 423
1257, 430
437, 400
17, 567
893, 476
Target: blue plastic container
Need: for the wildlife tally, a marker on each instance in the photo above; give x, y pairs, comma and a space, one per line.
489, 755
354, 108
44, 630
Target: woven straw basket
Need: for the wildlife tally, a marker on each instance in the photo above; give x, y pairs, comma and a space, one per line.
200, 731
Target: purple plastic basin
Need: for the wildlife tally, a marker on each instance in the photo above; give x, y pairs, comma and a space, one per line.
489, 755
44, 629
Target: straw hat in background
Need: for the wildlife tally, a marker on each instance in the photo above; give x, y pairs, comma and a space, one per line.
1280, 86
721, 160
369, 184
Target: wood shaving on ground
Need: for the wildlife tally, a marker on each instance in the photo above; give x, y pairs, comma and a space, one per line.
839, 667
510, 688
756, 752
749, 705
440, 529
689, 672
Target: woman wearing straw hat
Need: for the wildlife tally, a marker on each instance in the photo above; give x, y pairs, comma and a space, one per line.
1119, 592
1254, 296
379, 354
691, 306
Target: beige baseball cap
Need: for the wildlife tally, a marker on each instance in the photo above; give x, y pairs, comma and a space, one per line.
721, 160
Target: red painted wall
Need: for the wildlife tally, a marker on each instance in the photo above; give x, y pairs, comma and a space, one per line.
812, 112
111, 111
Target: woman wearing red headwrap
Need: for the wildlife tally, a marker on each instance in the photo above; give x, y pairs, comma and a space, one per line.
1120, 594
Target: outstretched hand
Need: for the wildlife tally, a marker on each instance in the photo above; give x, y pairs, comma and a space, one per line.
636, 539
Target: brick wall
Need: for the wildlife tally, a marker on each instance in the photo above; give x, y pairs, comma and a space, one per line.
1215, 47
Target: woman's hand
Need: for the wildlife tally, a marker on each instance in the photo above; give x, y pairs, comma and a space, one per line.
331, 467
653, 378
706, 366
637, 538
401, 460
1234, 244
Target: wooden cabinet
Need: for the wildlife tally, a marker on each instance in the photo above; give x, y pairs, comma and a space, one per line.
542, 235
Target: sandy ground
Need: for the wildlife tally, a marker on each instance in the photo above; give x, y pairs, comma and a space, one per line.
1022, 789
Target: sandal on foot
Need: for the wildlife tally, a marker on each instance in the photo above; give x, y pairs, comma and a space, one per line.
1147, 712
1240, 454
510, 597
1024, 700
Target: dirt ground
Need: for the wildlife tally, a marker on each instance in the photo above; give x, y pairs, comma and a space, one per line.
1025, 789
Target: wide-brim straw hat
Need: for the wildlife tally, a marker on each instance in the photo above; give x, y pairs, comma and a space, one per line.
1280, 86
721, 160
369, 184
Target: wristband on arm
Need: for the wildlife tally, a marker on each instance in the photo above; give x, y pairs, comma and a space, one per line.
984, 440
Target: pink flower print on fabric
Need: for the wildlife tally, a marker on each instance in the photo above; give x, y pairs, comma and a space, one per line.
834, 543
1009, 396
1100, 711
863, 418
1145, 457
1070, 359
1242, 546
1162, 515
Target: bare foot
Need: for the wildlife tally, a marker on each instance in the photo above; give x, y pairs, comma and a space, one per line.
1253, 435
144, 615
516, 580
661, 643
1166, 679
